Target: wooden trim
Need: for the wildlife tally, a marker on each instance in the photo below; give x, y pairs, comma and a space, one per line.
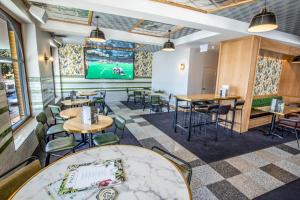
136, 25
90, 17
180, 5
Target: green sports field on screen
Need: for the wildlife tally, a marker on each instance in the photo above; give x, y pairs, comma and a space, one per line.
106, 70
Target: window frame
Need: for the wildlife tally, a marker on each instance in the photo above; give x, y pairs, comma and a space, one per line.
14, 25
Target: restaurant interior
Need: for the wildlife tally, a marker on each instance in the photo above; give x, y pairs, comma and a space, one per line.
149, 99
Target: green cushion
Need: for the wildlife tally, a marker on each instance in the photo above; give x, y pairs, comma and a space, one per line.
59, 120
264, 101
106, 139
59, 128
60, 144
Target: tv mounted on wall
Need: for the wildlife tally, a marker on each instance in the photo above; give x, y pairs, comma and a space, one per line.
108, 63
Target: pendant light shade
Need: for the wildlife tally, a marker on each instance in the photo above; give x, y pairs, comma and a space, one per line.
169, 46
97, 35
296, 59
264, 21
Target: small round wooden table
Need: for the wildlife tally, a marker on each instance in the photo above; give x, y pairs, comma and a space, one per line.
76, 102
148, 175
76, 126
71, 113
87, 94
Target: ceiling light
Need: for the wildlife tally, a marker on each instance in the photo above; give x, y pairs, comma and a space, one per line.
97, 35
296, 59
169, 46
264, 21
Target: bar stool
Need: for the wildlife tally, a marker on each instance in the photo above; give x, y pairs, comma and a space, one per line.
238, 106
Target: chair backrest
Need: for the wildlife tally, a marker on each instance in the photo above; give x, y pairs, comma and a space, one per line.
41, 117
154, 99
105, 111
185, 167
211, 107
103, 94
55, 110
120, 122
40, 132
224, 109
239, 103
11, 183
137, 93
170, 97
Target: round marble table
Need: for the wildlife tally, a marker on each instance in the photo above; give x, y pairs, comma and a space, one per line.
75, 102
75, 125
71, 113
148, 175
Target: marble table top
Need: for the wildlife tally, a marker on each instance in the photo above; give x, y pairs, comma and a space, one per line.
148, 175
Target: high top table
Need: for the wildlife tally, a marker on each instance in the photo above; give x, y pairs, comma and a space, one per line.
75, 102
197, 98
148, 175
87, 94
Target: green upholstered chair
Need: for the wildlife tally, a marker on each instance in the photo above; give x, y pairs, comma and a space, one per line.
137, 96
111, 137
129, 94
55, 111
184, 167
100, 100
155, 103
54, 146
10, 182
52, 130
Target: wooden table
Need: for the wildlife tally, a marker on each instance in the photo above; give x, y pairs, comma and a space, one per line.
148, 175
287, 110
76, 126
197, 98
87, 94
71, 113
75, 102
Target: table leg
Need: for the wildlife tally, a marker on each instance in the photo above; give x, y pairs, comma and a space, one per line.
233, 116
176, 115
190, 122
91, 140
272, 127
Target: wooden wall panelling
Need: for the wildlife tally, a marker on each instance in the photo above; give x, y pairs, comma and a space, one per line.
278, 47
289, 85
237, 64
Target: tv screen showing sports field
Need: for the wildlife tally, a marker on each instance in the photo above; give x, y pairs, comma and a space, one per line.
108, 64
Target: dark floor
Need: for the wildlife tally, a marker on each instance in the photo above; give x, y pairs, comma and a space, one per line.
133, 106
209, 150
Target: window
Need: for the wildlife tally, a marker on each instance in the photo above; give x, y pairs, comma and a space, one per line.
12, 69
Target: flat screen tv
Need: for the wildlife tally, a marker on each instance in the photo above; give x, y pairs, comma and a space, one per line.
108, 64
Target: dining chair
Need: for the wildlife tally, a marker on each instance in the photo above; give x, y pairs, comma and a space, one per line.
54, 146
238, 106
55, 112
155, 104
129, 95
52, 130
100, 100
137, 96
109, 138
291, 123
184, 167
166, 102
15, 177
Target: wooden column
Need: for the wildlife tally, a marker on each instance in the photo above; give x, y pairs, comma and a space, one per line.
14, 55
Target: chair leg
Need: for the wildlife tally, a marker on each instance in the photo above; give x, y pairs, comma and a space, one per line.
47, 159
241, 122
296, 132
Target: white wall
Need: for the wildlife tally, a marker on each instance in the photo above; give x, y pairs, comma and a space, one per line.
165, 71
167, 76
200, 61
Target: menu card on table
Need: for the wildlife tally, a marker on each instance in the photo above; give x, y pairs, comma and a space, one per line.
92, 175
89, 115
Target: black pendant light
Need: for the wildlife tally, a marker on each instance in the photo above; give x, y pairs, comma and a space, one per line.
169, 46
97, 35
296, 59
264, 21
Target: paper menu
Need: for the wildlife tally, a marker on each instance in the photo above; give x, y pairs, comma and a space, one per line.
86, 115
92, 175
89, 176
